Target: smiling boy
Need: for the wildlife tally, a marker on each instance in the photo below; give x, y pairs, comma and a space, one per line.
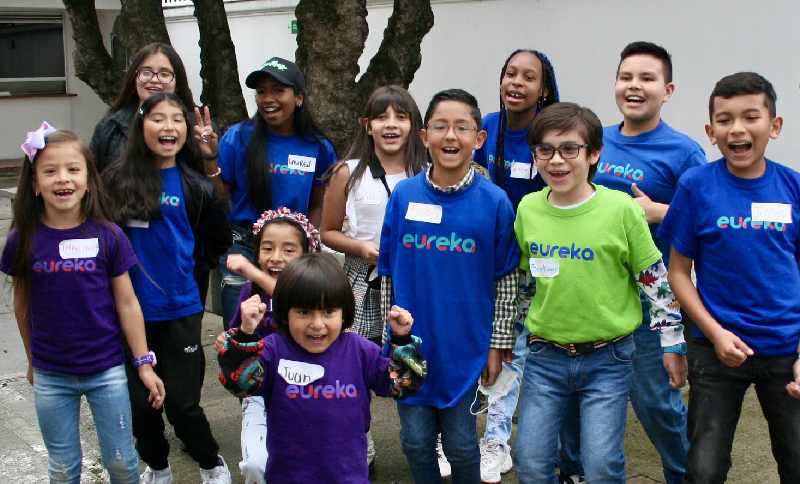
591, 252
732, 218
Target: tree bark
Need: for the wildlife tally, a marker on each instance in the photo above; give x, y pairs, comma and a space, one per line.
140, 22
330, 40
93, 64
219, 70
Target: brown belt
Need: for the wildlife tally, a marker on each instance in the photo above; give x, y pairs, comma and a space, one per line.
574, 349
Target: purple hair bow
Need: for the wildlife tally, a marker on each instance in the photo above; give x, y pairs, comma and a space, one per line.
35, 140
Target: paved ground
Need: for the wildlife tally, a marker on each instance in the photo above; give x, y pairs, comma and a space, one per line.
24, 459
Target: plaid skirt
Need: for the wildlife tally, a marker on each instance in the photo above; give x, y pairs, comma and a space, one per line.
367, 321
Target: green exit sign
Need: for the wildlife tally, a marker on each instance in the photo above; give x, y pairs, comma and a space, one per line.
293, 26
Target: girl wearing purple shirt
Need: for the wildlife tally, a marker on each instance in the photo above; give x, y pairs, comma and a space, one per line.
72, 296
316, 379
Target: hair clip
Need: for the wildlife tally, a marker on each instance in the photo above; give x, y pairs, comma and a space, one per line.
141, 111
35, 140
282, 212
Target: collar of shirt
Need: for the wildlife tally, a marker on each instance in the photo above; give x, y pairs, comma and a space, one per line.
465, 182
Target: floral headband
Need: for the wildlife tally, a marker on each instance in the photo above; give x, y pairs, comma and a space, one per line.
35, 140
311, 232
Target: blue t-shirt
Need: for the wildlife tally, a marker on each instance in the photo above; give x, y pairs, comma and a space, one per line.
521, 176
653, 160
296, 165
443, 271
747, 272
166, 289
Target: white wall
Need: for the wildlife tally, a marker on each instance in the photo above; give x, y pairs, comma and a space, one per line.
471, 39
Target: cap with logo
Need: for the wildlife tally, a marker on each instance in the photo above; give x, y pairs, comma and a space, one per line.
283, 70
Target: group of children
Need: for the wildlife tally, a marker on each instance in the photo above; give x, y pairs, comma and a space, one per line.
551, 268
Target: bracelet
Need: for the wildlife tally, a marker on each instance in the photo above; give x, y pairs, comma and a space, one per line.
679, 348
219, 170
211, 158
143, 360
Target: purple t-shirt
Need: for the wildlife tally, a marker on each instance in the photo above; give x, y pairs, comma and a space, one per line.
74, 326
267, 325
318, 408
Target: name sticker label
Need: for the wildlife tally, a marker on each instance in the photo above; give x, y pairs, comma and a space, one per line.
299, 373
523, 170
543, 267
367, 198
138, 224
424, 212
301, 163
78, 248
771, 212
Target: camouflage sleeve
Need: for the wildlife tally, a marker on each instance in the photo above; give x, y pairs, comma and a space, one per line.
407, 367
239, 359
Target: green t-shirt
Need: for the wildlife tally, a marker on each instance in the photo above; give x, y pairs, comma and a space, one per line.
585, 260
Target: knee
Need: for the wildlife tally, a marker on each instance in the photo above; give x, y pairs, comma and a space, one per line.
122, 468
64, 469
461, 453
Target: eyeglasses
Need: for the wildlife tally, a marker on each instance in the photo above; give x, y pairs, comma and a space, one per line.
568, 151
461, 130
164, 77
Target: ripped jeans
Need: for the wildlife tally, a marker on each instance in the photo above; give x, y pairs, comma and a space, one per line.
232, 283
58, 401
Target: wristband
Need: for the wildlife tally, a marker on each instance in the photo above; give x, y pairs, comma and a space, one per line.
143, 360
219, 170
680, 349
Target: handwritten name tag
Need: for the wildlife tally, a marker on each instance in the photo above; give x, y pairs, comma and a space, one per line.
78, 248
367, 198
771, 212
299, 373
523, 170
424, 212
301, 163
544, 267
138, 224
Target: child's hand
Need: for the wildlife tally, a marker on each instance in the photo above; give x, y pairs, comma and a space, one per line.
239, 264
29, 376
369, 251
206, 138
794, 387
221, 339
252, 311
400, 321
677, 367
653, 211
154, 384
494, 365
731, 350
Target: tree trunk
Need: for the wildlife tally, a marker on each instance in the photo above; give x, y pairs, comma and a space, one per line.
140, 22
330, 40
93, 64
222, 92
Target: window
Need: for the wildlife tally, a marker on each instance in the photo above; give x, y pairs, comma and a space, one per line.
32, 55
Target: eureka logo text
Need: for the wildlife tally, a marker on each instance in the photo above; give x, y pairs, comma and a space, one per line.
742, 223
336, 390
621, 171
68, 265
443, 242
562, 251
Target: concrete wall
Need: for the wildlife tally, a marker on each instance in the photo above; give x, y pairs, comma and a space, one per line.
471, 39
79, 112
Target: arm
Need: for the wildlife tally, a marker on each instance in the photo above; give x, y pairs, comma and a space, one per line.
21, 308
315, 204
506, 308
730, 349
240, 265
132, 322
333, 212
241, 371
407, 368
654, 211
665, 317
794, 387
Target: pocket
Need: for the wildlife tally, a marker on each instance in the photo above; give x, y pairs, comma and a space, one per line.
623, 351
538, 348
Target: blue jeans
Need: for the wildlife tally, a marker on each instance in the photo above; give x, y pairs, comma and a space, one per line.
501, 410
419, 425
232, 283
658, 407
601, 382
58, 400
716, 393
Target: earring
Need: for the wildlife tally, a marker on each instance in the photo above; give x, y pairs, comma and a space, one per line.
36, 193
542, 100
299, 104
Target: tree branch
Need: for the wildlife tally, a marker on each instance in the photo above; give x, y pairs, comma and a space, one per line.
140, 22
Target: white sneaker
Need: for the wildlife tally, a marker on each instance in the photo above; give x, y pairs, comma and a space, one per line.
495, 460
217, 475
149, 476
444, 466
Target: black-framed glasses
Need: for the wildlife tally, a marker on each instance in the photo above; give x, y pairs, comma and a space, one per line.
164, 77
568, 151
461, 130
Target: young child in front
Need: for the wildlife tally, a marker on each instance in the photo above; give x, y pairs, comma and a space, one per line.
449, 256
644, 157
736, 221
591, 252
73, 300
316, 379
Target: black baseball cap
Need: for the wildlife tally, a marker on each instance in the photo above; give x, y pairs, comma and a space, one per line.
281, 69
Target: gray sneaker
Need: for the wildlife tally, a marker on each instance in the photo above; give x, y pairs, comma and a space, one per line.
217, 475
495, 460
150, 476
